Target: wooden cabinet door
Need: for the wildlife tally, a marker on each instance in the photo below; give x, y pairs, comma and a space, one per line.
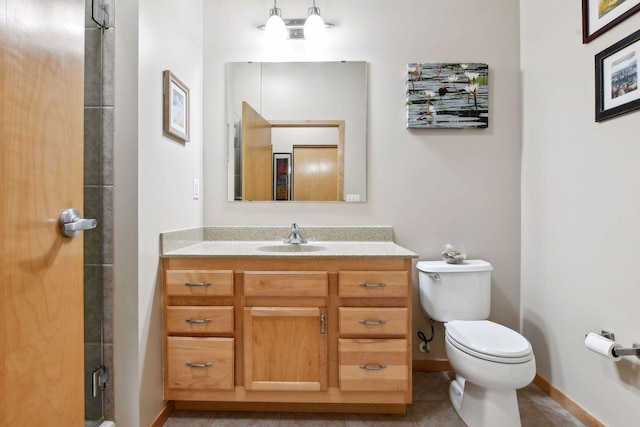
285, 348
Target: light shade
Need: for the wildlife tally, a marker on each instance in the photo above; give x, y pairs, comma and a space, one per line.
314, 26
275, 28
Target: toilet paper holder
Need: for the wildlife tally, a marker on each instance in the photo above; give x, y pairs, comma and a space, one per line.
633, 351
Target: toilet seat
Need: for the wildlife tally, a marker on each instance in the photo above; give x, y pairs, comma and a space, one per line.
489, 341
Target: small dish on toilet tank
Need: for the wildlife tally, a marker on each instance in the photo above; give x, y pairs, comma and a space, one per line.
453, 253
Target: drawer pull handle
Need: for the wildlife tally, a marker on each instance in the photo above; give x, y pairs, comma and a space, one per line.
197, 284
372, 322
372, 285
199, 365
198, 320
373, 367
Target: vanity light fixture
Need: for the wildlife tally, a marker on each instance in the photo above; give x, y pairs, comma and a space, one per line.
312, 28
275, 27
314, 25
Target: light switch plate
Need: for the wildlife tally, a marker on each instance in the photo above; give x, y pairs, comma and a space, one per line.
196, 189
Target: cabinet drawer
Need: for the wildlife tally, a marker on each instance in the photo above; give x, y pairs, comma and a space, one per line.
199, 363
372, 321
199, 319
373, 284
373, 365
286, 283
205, 283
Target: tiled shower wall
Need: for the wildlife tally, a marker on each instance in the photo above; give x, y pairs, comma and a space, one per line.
98, 203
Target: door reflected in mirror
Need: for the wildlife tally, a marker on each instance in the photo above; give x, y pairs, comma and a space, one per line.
312, 113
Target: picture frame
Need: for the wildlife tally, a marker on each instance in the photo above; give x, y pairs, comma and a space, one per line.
617, 78
175, 108
599, 16
447, 95
282, 176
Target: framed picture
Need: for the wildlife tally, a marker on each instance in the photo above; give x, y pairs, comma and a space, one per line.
176, 107
447, 96
617, 78
282, 184
599, 16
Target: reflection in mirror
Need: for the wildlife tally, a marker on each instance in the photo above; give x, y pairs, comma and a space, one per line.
297, 131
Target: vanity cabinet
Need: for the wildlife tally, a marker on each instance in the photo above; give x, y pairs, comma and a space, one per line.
305, 333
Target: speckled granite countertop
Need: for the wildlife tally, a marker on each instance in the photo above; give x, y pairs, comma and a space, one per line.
264, 242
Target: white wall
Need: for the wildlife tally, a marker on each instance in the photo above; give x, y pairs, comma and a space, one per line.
432, 186
125, 381
580, 206
159, 184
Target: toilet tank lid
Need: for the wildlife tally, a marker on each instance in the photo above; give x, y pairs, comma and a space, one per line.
443, 267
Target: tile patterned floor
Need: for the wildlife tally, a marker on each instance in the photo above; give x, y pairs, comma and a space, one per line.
430, 408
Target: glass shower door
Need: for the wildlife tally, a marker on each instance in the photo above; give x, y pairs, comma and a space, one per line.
98, 186
96, 374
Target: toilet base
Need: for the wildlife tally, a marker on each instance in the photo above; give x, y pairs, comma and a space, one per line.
484, 407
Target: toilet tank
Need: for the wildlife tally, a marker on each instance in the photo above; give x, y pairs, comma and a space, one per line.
455, 291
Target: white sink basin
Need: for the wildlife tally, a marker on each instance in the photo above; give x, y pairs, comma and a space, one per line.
291, 248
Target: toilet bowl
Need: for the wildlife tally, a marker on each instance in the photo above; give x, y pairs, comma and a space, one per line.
490, 360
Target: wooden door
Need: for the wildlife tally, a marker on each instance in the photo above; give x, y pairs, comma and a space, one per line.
41, 272
285, 349
256, 155
315, 173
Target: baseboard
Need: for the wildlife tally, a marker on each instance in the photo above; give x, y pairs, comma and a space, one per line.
433, 365
164, 415
568, 404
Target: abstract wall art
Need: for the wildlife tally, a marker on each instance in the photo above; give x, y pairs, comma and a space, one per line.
447, 96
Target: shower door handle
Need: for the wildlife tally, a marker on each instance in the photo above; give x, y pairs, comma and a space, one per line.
72, 223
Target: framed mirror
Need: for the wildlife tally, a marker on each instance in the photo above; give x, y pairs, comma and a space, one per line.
297, 129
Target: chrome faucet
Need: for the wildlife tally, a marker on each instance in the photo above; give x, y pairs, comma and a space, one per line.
295, 238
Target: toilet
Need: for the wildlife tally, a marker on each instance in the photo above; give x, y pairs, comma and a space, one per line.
490, 361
